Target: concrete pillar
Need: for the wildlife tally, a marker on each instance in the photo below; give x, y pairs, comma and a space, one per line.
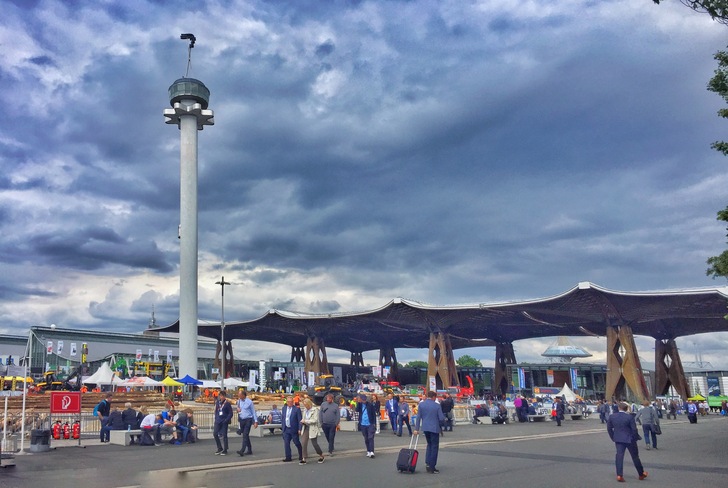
189, 97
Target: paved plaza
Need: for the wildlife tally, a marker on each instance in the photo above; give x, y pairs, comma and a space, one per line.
515, 455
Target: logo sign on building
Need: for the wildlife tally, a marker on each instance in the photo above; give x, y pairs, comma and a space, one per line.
65, 402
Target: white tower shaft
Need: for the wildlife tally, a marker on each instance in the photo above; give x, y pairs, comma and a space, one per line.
189, 97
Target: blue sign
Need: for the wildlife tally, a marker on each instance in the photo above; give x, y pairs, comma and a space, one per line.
521, 378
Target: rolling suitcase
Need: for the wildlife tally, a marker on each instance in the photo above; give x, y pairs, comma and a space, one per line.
407, 458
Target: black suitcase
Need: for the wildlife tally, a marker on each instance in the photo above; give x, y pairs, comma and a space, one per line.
407, 458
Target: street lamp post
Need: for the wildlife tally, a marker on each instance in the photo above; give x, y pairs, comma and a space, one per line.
222, 284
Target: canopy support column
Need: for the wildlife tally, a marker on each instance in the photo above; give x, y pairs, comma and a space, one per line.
357, 360
623, 365
441, 363
298, 355
227, 357
504, 356
669, 369
388, 357
316, 356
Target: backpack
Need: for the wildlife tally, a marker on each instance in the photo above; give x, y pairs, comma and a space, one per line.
96, 408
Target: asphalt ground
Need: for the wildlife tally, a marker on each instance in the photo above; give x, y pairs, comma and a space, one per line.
539, 455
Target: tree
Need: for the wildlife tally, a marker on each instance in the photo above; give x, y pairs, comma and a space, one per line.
466, 361
717, 9
417, 364
718, 265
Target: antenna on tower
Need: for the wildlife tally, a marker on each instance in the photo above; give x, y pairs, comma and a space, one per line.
192, 40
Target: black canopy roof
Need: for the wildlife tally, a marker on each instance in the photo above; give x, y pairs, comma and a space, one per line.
586, 309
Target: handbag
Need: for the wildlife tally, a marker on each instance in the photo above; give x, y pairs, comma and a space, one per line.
656, 429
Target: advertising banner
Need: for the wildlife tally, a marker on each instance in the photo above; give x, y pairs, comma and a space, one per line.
169, 355
521, 378
49, 347
73, 349
60, 347
138, 354
550, 376
574, 377
713, 386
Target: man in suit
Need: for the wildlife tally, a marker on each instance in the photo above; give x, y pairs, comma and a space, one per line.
291, 423
622, 429
223, 416
368, 419
429, 420
392, 411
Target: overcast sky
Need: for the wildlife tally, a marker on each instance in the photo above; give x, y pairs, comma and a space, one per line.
448, 152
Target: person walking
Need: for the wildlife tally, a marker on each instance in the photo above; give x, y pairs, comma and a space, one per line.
310, 430
223, 416
622, 429
330, 418
403, 417
392, 406
647, 416
247, 418
560, 411
367, 422
429, 419
291, 416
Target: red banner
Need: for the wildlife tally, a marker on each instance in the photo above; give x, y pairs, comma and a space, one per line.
65, 402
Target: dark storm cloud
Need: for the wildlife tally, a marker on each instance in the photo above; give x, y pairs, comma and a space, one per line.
93, 248
448, 152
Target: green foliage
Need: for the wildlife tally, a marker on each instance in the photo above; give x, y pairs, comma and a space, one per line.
717, 9
718, 265
466, 361
417, 364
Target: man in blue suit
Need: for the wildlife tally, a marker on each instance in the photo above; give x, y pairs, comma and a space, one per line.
429, 420
291, 423
622, 429
223, 415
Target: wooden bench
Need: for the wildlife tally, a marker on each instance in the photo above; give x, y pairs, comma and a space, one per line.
576, 416
123, 437
537, 418
263, 430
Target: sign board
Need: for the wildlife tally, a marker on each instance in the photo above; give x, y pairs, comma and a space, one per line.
65, 402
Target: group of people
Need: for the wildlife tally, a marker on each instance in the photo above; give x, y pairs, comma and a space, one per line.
179, 426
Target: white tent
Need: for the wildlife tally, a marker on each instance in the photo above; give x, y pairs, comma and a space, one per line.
567, 393
141, 381
209, 384
104, 376
234, 383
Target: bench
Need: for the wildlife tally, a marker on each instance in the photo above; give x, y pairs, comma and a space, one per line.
576, 416
123, 437
537, 418
347, 426
263, 430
